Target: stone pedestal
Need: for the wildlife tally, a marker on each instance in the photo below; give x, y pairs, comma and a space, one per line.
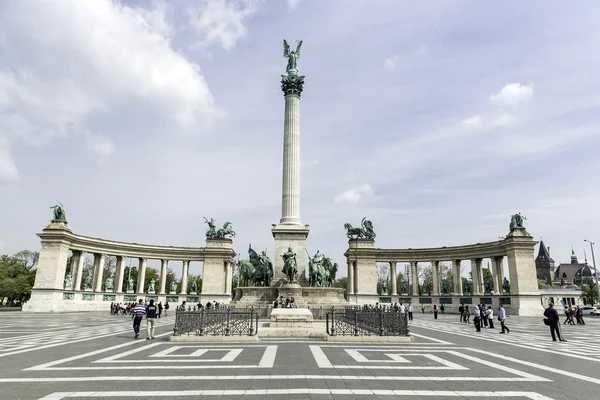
362, 253
291, 290
216, 281
291, 318
172, 292
193, 293
130, 292
151, 292
294, 236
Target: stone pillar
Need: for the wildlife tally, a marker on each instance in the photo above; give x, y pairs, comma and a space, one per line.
75, 273
184, 277
500, 277
350, 278
120, 274
163, 276
458, 289
365, 270
228, 277
214, 276
414, 277
98, 271
497, 266
394, 278
435, 271
141, 275
475, 267
524, 291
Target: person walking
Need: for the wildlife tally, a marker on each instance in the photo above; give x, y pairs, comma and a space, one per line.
483, 313
435, 311
166, 308
502, 318
410, 312
477, 319
422, 309
150, 320
461, 310
467, 318
490, 316
553, 321
442, 308
138, 315
160, 308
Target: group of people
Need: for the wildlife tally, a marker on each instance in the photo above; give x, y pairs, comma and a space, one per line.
151, 312
128, 308
483, 316
577, 313
284, 303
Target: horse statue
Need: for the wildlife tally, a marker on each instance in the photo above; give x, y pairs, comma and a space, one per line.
364, 232
246, 272
263, 268
211, 232
290, 266
226, 230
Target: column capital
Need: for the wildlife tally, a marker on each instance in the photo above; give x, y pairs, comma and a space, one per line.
292, 84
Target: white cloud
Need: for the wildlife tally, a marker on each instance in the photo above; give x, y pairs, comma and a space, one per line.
473, 122
354, 195
8, 169
293, 4
513, 94
221, 21
99, 144
391, 63
503, 119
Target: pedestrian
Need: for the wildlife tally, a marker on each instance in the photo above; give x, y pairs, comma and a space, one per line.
482, 312
150, 320
442, 308
402, 308
422, 309
477, 319
138, 315
490, 316
410, 312
166, 308
553, 321
461, 310
579, 315
435, 311
502, 318
160, 308
467, 318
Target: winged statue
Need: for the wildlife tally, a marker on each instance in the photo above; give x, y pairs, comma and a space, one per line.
292, 56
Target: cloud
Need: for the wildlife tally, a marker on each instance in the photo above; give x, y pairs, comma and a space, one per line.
473, 122
354, 195
292, 4
8, 169
503, 119
221, 21
513, 94
101, 145
391, 63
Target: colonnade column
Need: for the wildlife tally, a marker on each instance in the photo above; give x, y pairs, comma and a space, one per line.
458, 289
500, 276
120, 274
184, 277
163, 276
77, 268
228, 277
99, 270
435, 266
415, 278
394, 278
141, 275
475, 267
497, 265
350, 278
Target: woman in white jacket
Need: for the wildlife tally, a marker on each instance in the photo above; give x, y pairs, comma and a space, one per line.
490, 314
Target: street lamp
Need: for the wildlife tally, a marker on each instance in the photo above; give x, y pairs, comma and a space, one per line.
594, 262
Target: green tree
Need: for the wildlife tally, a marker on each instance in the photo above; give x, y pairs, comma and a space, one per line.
589, 292
134, 274
342, 283
17, 276
198, 279
151, 273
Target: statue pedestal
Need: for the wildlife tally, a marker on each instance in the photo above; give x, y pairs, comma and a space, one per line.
193, 293
291, 318
173, 292
151, 292
130, 291
87, 289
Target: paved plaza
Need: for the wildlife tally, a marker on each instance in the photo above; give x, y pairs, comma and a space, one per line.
93, 355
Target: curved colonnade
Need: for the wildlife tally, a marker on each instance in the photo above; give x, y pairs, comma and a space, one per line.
50, 294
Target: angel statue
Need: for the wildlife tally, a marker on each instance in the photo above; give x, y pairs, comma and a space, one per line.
292, 56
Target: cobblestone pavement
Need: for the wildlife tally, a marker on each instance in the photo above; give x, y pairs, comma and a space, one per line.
94, 355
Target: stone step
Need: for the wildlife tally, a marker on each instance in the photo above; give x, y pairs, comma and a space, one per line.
292, 338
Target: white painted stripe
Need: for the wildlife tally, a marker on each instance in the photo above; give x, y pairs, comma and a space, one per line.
320, 357
283, 392
265, 377
430, 338
268, 358
498, 366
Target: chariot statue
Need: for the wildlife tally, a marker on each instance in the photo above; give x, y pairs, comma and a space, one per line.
222, 233
290, 266
211, 232
364, 232
68, 281
516, 222
59, 212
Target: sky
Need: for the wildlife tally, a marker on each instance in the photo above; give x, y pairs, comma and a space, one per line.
437, 121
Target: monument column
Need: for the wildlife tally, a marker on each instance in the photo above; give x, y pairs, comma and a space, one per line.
184, 277
500, 277
394, 278
350, 278
76, 255
99, 269
497, 266
163, 276
415, 278
120, 274
228, 277
291, 232
79, 274
458, 289
141, 275
435, 265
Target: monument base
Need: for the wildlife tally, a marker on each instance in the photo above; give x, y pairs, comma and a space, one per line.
286, 236
130, 292
291, 318
303, 296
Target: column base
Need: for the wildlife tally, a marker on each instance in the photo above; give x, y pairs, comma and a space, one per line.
294, 236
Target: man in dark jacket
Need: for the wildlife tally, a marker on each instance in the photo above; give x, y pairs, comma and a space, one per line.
461, 310
553, 322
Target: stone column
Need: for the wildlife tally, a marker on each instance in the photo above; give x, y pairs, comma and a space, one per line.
475, 268
497, 266
458, 289
394, 278
415, 278
98, 271
228, 277
184, 277
163, 276
435, 266
350, 278
75, 273
141, 275
120, 274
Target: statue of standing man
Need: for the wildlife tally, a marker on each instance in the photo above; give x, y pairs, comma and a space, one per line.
290, 266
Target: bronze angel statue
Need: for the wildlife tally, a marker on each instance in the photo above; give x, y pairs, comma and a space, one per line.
292, 56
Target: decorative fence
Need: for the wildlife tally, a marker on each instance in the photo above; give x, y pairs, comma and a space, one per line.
357, 321
263, 312
216, 322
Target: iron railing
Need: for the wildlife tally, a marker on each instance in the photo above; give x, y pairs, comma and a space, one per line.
216, 322
356, 321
